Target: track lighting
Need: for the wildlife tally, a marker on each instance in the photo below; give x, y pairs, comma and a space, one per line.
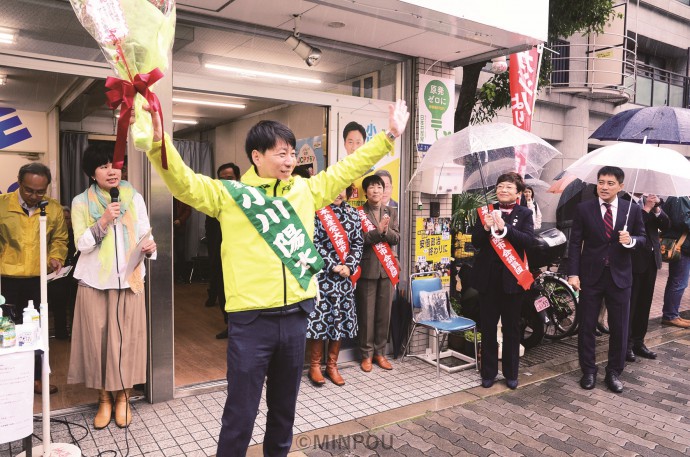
310, 54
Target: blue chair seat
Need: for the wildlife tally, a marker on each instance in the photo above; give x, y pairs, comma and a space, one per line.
456, 324
426, 282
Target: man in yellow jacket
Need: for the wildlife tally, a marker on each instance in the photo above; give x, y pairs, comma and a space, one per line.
269, 263
20, 242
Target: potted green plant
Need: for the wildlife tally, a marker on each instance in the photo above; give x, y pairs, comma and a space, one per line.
464, 213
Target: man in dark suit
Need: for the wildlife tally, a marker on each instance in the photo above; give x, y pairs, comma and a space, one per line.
600, 266
374, 290
645, 263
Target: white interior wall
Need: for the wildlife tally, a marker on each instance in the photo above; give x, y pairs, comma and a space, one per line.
304, 120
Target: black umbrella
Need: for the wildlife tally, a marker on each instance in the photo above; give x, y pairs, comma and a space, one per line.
656, 124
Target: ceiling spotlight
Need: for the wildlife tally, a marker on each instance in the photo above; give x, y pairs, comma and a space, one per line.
185, 121
310, 54
3, 80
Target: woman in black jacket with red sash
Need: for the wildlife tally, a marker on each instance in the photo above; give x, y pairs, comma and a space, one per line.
502, 280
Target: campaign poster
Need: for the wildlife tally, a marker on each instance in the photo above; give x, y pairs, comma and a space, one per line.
388, 167
432, 246
310, 154
436, 117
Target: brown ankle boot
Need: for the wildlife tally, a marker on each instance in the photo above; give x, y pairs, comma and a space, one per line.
332, 363
315, 350
105, 410
123, 413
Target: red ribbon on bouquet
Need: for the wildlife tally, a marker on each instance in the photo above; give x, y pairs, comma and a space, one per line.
122, 92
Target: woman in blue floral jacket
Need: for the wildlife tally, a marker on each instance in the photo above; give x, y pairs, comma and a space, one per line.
335, 315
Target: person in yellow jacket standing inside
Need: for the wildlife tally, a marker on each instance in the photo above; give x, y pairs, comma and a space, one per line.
20, 243
269, 266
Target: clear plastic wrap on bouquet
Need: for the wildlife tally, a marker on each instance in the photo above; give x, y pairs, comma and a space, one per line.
136, 37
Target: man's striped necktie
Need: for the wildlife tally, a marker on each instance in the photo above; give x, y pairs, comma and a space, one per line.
608, 220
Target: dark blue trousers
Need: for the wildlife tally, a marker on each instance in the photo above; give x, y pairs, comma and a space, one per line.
262, 347
618, 305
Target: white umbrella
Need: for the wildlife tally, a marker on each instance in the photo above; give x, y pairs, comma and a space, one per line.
647, 168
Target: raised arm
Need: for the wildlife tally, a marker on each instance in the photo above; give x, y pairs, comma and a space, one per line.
198, 191
325, 186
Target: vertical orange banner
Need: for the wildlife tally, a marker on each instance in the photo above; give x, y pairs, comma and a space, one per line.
524, 78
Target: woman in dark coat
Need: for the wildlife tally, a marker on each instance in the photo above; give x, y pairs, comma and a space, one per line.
335, 315
500, 294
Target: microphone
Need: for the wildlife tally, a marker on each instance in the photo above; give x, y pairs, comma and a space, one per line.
42, 206
114, 195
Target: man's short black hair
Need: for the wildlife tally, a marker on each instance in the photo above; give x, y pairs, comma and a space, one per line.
612, 171
265, 135
372, 179
95, 155
513, 177
235, 169
34, 168
352, 126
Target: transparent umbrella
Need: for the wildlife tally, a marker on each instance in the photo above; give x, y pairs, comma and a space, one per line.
485, 151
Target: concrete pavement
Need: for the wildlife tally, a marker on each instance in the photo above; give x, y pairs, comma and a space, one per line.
549, 414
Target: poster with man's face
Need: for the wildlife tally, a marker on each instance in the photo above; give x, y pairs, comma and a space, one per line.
388, 167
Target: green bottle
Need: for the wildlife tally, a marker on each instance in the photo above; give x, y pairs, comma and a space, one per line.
9, 333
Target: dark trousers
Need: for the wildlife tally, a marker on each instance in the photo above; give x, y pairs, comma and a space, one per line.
618, 305
216, 285
495, 304
62, 294
270, 347
18, 292
641, 297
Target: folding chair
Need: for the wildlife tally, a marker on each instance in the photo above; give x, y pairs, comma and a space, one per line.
431, 282
200, 263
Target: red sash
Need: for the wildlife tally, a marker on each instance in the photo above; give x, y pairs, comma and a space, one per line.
338, 236
506, 252
383, 250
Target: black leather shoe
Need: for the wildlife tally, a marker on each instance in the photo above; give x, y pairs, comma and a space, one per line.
486, 383
613, 383
588, 381
222, 335
643, 351
512, 383
630, 356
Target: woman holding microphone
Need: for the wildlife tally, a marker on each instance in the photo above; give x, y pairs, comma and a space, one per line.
111, 225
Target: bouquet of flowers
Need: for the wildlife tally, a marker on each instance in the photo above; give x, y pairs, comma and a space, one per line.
136, 37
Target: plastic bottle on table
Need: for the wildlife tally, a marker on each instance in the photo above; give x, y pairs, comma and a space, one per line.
9, 334
31, 316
